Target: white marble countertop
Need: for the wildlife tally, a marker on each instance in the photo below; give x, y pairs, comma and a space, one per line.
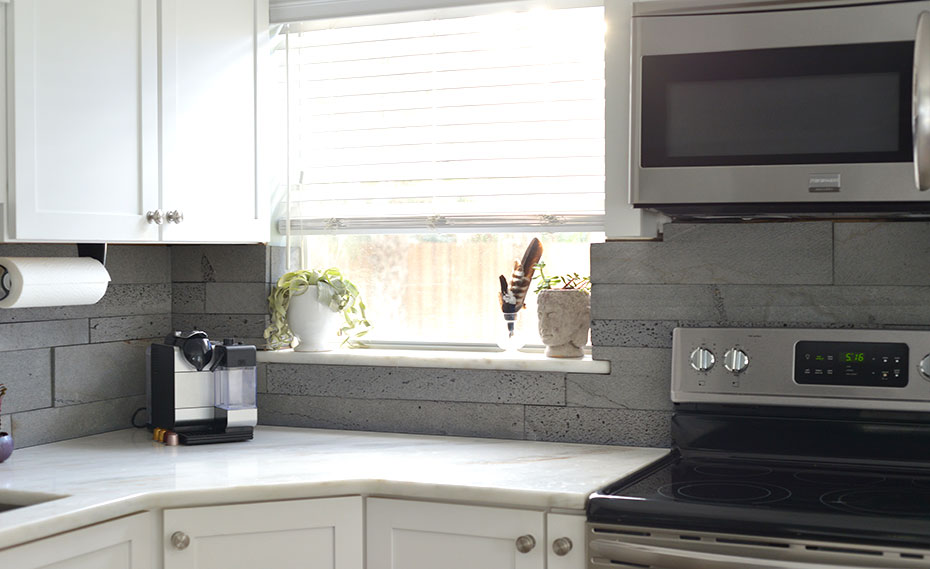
114, 474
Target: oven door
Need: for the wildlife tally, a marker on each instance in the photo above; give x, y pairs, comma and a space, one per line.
625, 546
795, 106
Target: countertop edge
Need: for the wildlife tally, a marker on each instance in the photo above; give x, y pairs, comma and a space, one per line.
81, 509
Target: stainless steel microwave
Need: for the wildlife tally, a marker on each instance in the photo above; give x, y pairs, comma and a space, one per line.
797, 108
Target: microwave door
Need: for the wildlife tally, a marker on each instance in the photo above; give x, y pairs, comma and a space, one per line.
815, 111
921, 102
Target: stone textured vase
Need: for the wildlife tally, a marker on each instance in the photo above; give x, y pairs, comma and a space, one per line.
6, 446
314, 324
564, 321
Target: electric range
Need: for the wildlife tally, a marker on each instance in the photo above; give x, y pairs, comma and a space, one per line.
792, 448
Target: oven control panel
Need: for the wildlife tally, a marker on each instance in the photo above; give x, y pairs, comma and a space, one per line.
867, 369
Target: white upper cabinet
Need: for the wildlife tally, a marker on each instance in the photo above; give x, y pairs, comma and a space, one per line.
125, 113
210, 56
84, 120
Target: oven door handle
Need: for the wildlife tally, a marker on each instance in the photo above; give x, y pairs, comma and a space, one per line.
657, 557
920, 104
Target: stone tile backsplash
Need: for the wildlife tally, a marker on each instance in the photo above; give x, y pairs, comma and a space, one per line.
78, 370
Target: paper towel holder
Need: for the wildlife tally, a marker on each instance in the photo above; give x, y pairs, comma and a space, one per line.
96, 251
93, 250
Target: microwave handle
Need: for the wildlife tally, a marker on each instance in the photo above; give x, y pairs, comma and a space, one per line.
920, 108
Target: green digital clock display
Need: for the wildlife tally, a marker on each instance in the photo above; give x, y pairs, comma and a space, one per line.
873, 364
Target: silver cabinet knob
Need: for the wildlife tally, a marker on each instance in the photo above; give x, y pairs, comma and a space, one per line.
525, 543
924, 367
157, 217
735, 360
175, 216
180, 540
562, 546
702, 359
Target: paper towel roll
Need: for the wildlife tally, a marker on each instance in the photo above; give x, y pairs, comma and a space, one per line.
51, 281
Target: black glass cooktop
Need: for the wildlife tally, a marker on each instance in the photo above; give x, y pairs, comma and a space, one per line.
773, 497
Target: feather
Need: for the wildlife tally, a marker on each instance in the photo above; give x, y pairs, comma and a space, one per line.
523, 273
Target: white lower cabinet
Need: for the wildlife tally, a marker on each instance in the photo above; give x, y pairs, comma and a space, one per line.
405, 534
324, 533
565, 544
125, 543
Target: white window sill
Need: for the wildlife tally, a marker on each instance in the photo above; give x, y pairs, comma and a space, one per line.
520, 361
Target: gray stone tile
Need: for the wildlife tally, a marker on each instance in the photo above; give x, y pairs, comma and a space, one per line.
29, 335
718, 253
261, 378
188, 297
639, 379
129, 327
247, 328
278, 260
362, 382
884, 253
28, 377
828, 305
120, 300
632, 333
423, 417
96, 372
220, 263
655, 302
139, 264
236, 298
37, 250
59, 423
127, 264
598, 426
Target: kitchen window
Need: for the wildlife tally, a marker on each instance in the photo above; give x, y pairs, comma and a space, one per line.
426, 149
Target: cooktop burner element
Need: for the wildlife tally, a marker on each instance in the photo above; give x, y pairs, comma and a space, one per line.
725, 491
881, 501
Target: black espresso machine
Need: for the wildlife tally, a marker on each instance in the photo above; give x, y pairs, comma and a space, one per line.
201, 390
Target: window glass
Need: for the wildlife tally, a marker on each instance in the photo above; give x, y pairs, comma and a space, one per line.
443, 288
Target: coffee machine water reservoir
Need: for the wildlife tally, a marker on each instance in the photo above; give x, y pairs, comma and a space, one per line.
203, 391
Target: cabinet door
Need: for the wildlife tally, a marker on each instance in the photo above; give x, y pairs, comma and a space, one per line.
565, 547
418, 535
212, 52
125, 543
84, 119
325, 533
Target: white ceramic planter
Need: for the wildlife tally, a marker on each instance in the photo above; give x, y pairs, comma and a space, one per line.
314, 324
564, 321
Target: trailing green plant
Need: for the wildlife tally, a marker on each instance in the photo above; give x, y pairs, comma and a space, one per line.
569, 281
334, 291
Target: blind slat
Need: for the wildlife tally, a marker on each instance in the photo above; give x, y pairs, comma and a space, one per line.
481, 120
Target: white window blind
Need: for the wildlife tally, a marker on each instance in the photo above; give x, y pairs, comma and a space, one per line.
480, 123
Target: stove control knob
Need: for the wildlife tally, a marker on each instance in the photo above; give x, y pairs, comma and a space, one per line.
924, 367
702, 359
735, 360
